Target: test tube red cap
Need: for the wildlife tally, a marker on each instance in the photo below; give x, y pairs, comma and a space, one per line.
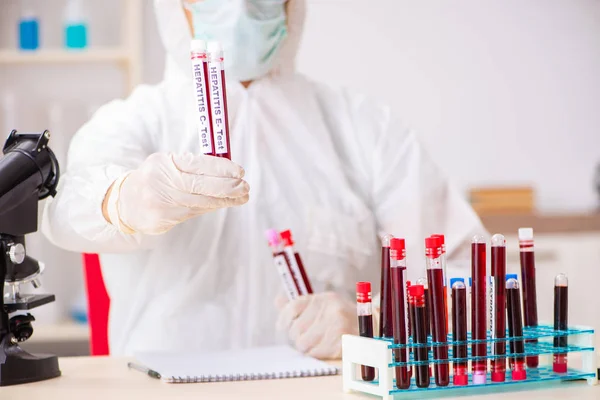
442, 237
498, 376
286, 236
416, 290
363, 292
519, 375
433, 247
460, 380
397, 244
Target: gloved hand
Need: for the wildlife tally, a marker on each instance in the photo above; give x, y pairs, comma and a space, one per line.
316, 323
168, 189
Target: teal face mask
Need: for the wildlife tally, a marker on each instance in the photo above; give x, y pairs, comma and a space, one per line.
250, 31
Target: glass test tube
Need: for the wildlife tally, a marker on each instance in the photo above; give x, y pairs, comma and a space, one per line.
385, 294
529, 288
409, 325
428, 319
282, 264
435, 277
516, 278
297, 267
419, 334
399, 317
561, 310
478, 309
365, 321
497, 307
459, 332
443, 257
515, 329
218, 100
202, 110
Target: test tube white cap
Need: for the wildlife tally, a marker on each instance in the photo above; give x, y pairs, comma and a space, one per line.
561, 280
198, 45
386, 239
498, 240
477, 239
525, 233
214, 47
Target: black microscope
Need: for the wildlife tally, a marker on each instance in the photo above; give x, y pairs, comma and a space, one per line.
29, 172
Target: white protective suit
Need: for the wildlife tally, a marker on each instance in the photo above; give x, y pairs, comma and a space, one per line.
334, 167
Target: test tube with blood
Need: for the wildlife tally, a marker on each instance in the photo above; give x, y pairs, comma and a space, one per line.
298, 270
478, 310
530, 313
497, 307
419, 334
435, 277
364, 310
561, 309
398, 277
386, 329
459, 332
515, 330
218, 100
282, 264
202, 103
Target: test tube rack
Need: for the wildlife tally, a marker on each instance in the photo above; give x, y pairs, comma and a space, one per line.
378, 353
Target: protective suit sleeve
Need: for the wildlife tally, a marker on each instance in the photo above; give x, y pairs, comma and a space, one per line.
409, 194
115, 141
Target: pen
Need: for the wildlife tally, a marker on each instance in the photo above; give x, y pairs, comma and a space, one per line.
147, 371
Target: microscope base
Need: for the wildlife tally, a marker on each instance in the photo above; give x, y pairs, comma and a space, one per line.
17, 366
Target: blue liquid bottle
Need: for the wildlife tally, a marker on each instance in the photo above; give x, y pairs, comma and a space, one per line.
75, 26
29, 30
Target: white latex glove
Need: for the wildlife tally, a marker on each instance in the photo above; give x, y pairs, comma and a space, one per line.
315, 323
168, 189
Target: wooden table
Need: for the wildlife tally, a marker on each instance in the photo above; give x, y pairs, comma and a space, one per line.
101, 378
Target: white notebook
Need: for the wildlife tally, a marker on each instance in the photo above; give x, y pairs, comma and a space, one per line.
258, 363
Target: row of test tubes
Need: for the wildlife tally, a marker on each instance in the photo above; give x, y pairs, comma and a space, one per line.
420, 310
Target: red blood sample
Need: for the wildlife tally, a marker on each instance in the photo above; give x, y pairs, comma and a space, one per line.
435, 277
399, 317
459, 333
386, 328
529, 288
282, 263
365, 321
419, 334
218, 100
300, 276
497, 306
203, 111
478, 310
515, 329
561, 310
443, 257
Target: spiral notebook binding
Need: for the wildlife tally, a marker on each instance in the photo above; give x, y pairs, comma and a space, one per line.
251, 376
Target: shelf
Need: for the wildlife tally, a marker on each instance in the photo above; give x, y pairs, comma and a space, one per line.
60, 56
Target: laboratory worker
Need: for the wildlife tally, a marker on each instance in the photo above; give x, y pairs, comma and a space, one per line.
181, 235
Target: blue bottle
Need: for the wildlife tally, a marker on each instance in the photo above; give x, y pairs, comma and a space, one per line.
75, 26
29, 27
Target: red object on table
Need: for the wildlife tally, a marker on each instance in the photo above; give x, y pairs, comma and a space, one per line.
98, 305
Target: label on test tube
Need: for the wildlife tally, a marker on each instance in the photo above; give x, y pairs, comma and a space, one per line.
286, 278
215, 71
492, 313
199, 60
289, 251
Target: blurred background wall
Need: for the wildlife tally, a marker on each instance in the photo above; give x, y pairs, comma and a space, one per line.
501, 92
